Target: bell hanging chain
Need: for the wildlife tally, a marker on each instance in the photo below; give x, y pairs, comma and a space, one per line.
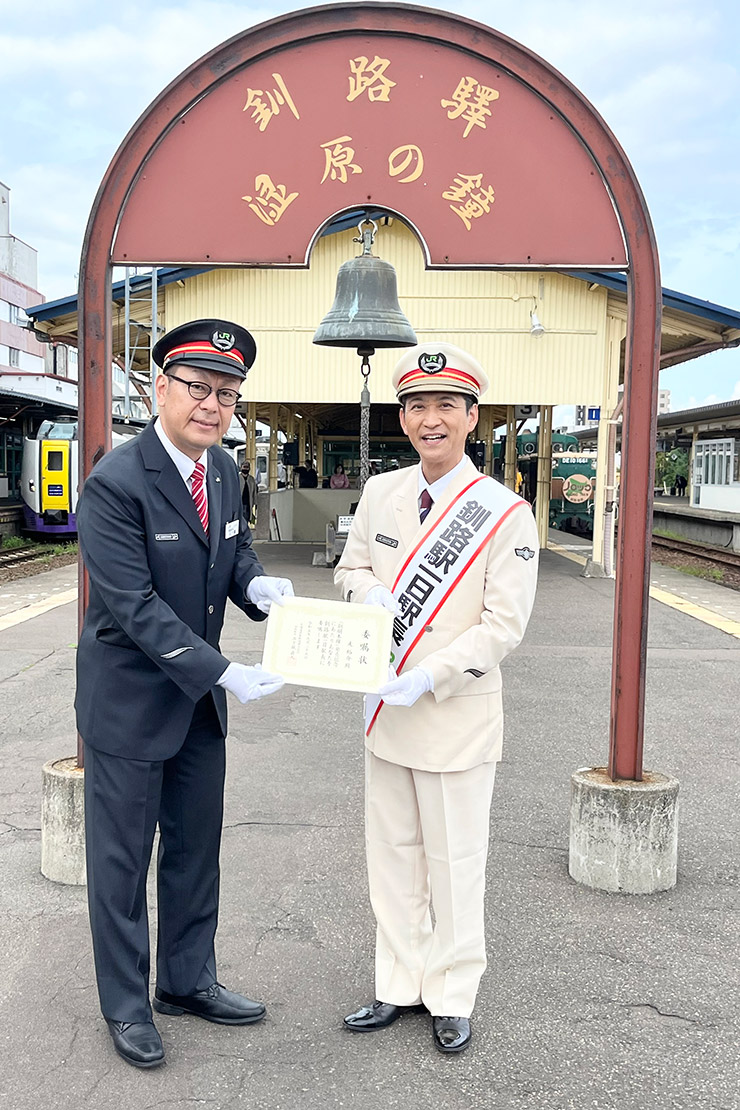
365, 423
367, 235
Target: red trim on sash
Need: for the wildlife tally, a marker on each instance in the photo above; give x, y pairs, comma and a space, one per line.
433, 526
459, 578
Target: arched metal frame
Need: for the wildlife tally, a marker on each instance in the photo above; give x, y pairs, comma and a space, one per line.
643, 286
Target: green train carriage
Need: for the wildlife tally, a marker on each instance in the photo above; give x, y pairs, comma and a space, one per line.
572, 482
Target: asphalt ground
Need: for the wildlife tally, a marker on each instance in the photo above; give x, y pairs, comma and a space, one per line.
590, 1000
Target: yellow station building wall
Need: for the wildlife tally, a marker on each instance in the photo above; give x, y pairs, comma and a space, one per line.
486, 312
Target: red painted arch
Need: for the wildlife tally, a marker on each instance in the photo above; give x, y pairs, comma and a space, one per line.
123, 207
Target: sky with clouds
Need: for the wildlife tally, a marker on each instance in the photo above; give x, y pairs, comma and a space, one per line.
664, 74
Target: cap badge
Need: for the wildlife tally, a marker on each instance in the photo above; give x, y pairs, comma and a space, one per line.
432, 364
223, 340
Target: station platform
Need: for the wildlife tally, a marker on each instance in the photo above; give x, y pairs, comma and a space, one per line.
677, 516
11, 517
591, 1001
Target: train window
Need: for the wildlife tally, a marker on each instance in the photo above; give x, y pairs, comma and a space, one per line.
55, 461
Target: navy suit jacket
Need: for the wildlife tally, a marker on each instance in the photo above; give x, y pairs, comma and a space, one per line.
149, 648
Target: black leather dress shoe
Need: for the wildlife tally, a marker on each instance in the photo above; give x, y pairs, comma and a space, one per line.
378, 1016
138, 1042
214, 1004
451, 1034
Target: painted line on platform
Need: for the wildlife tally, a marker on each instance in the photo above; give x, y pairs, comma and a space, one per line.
706, 616
560, 550
37, 608
674, 601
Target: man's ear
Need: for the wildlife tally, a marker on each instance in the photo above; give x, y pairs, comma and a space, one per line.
160, 387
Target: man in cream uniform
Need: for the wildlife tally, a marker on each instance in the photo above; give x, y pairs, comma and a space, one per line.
460, 577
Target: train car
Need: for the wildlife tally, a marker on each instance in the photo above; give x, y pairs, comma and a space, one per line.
50, 477
572, 482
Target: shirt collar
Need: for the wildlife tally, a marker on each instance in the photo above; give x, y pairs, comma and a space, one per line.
436, 489
185, 465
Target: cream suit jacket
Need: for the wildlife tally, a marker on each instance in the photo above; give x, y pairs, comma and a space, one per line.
460, 724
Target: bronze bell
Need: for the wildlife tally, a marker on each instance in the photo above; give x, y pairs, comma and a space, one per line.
366, 313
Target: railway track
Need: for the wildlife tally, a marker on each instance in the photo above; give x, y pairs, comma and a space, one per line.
18, 555
717, 556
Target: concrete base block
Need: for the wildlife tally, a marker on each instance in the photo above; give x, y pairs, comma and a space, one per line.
623, 834
63, 822
593, 570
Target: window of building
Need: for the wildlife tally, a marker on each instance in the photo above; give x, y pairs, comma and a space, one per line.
14, 356
715, 462
17, 315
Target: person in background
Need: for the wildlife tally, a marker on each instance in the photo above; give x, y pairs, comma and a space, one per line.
308, 478
339, 479
249, 491
165, 543
452, 554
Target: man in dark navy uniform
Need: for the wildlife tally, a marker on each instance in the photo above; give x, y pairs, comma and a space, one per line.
165, 542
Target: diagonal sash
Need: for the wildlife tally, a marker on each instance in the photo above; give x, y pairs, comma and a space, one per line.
436, 566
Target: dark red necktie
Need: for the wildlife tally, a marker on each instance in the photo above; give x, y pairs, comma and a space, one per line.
199, 494
426, 504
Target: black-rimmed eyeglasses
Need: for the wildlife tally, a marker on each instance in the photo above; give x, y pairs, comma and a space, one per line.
200, 390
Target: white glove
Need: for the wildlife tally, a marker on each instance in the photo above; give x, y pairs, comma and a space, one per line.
408, 688
381, 595
249, 683
263, 591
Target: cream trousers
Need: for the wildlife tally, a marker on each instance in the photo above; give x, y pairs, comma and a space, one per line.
427, 845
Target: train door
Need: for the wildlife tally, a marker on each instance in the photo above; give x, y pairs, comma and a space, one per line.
55, 481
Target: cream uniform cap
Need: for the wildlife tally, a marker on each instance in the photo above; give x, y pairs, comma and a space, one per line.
438, 368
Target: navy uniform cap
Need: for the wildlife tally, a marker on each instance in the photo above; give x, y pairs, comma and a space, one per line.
214, 345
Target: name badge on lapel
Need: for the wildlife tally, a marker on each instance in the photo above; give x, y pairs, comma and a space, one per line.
231, 529
166, 535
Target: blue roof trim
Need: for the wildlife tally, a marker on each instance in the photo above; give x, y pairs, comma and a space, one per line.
166, 275
719, 314
707, 310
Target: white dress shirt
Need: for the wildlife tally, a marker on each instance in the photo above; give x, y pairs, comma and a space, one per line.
185, 465
436, 489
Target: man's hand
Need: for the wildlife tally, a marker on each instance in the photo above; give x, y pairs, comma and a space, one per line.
263, 591
408, 688
381, 595
249, 683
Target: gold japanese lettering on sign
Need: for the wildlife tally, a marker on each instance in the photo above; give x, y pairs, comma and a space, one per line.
266, 103
339, 159
370, 77
471, 197
470, 100
401, 158
270, 201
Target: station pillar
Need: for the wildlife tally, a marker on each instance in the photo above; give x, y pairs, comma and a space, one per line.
510, 456
544, 474
272, 463
601, 563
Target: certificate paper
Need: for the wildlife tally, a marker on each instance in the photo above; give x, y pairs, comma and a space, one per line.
314, 642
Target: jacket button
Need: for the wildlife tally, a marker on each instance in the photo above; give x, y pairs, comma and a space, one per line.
210, 608
212, 565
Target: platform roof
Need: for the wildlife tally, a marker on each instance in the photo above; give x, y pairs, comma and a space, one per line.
691, 328
718, 418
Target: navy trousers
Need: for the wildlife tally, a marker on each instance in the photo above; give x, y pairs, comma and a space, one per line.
125, 799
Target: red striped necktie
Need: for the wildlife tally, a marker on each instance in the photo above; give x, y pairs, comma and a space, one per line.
199, 494
426, 504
